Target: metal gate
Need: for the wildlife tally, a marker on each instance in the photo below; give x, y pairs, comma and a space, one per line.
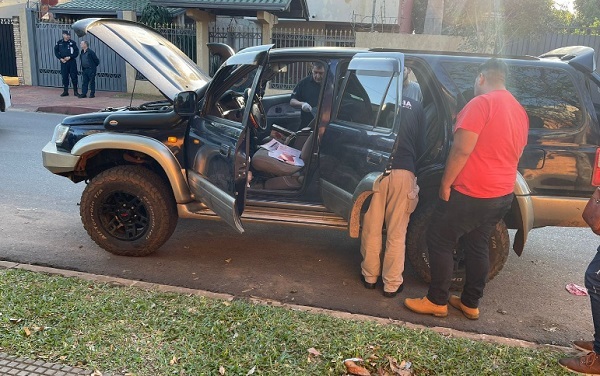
8, 56
111, 71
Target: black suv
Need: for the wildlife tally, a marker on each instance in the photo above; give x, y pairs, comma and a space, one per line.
191, 155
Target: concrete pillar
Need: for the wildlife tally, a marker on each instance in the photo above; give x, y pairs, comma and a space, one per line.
405, 16
267, 22
26, 29
18, 50
203, 20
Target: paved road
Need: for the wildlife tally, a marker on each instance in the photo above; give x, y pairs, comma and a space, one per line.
39, 224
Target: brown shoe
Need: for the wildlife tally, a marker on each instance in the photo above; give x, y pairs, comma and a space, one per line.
470, 313
587, 365
586, 346
425, 306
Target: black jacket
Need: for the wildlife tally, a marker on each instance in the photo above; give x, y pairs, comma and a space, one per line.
88, 59
64, 48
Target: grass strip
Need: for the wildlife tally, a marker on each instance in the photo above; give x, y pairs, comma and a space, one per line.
126, 329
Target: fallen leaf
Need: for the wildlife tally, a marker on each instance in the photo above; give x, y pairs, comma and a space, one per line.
354, 369
227, 304
27, 331
228, 260
174, 360
221, 370
251, 371
313, 351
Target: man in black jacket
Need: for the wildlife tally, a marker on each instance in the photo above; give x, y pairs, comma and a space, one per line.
66, 51
89, 62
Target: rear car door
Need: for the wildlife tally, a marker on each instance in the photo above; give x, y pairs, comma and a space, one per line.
217, 148
359, 139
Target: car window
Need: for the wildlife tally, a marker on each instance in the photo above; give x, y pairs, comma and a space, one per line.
365, 94
231, 96
548, 94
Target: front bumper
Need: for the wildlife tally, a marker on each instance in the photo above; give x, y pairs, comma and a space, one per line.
57, 161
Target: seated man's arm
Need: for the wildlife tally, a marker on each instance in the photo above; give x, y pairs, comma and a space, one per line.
296, 103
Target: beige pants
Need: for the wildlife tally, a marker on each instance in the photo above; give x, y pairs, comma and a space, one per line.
396, 199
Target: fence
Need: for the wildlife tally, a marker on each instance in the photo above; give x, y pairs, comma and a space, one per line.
184, 37
306, 38
235, 36
8, 57
535, 46
111, 71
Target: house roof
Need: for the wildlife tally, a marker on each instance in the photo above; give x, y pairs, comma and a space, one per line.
247, 8
105, 7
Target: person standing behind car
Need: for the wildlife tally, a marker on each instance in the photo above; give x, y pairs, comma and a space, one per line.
410, 88
306, 93
393, 203
89, 62
476, 191
66, 51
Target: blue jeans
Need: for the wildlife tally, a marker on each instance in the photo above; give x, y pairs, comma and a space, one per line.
592, 283
473, 220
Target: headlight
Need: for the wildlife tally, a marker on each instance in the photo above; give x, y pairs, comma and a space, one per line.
60, 132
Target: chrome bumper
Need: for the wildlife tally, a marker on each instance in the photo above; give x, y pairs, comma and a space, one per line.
57, 161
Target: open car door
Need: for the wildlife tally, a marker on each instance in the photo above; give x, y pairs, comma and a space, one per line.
217, 148
359, 139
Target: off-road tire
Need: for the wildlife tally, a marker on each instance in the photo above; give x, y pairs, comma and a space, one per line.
418, 255
150, 216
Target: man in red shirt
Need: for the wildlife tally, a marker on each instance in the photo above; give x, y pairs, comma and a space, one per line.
476, 191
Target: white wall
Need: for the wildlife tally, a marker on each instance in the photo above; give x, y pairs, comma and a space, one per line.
341, 10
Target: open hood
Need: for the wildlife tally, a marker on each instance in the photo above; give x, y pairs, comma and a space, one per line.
161, 62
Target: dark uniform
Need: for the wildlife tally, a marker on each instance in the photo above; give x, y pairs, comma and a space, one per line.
89, 62
67, 48
307, 90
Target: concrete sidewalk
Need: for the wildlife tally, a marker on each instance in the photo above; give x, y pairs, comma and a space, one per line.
48, 99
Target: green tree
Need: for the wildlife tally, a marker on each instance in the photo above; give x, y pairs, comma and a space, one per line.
588, 12
488, 25
153, 15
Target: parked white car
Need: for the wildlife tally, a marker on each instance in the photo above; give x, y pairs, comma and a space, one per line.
4, 95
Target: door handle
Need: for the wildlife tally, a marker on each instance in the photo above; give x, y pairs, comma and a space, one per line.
224, 150
374, 158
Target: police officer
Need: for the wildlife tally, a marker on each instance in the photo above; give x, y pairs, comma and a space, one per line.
66, 51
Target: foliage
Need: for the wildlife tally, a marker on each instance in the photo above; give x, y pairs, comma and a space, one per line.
153, 15
418, 15
134, 331
490, 24
588, 13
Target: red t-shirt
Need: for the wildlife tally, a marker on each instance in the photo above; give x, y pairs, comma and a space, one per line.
502, 125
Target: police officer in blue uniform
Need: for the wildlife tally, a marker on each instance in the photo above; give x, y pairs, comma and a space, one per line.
66, 51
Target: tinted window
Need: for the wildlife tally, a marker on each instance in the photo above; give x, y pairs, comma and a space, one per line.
363, 96
548, 94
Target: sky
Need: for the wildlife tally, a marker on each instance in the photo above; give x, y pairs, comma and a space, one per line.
568, 3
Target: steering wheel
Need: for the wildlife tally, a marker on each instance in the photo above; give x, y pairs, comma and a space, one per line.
258, 119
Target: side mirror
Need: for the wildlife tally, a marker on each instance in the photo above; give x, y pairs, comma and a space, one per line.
186, 103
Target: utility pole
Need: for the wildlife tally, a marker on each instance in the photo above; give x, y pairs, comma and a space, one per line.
373, 17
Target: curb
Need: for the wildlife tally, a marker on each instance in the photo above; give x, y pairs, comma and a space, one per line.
273, 303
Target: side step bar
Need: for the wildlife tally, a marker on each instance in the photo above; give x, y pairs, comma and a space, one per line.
289, 214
